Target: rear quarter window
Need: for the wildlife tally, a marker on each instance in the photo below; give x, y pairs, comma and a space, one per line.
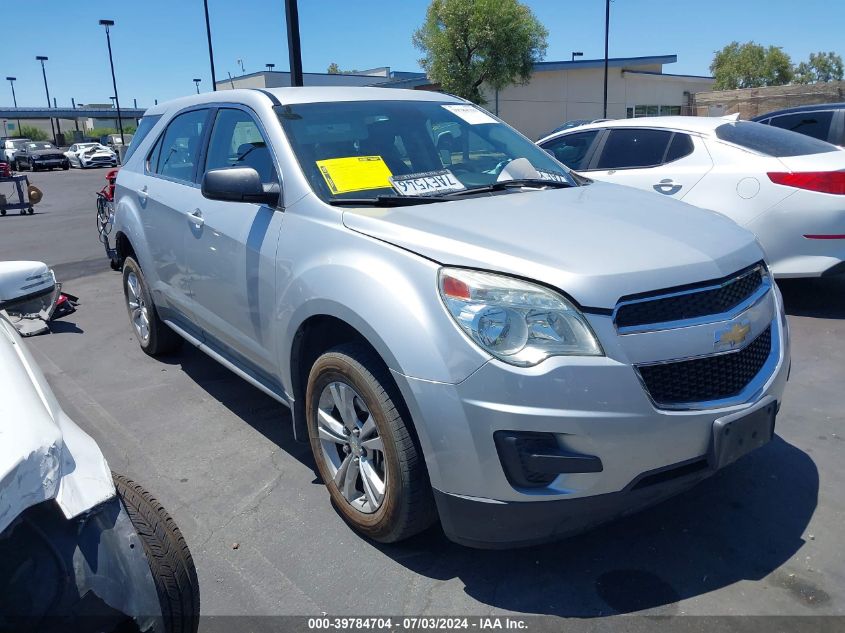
144, 126
771, 140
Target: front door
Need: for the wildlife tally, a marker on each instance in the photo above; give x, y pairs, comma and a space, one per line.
231, 249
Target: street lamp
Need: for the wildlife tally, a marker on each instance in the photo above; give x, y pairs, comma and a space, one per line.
210, 50
12, 81
576, 54
270, 67
43, 59
197, 83
606, 38
107, 24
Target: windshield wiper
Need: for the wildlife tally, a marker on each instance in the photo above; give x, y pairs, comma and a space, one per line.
511, 184
387, 201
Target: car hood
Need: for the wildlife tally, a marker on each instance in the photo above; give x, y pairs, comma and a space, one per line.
43, 454
596, 243
44, 152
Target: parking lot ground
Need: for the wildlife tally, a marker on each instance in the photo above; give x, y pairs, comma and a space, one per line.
762, 537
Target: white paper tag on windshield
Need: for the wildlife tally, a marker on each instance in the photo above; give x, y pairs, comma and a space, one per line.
430, 183
551, 175
470, 114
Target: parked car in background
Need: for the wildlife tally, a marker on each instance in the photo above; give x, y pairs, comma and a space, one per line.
573, 123
825, 122
86, 155
35, 155
787, 188
113, 140
472, 333
81, 548
10, 147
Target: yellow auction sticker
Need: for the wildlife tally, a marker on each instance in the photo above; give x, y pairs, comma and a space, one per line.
354, 173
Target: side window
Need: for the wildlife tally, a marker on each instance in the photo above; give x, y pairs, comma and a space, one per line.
815, 124
72, 148
680, 146
573, 149
179, 147
631, 148
236, 141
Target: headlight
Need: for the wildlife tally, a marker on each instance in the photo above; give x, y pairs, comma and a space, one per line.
518, 322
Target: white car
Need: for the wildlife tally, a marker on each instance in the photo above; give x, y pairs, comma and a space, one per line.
80, 547
86, 155
9, 147
787, 188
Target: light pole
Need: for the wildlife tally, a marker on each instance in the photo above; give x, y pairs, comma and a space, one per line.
210, 50
576, 54
197, 83
606, 38
43, 59
270, 67
294, 48
107, 24
12, 81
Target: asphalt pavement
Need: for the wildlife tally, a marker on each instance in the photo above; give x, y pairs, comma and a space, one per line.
763, 536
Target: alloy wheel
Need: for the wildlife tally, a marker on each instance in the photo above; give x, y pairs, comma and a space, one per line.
351, 447
138, 311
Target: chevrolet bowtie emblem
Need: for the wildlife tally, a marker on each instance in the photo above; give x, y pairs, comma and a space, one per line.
733, 336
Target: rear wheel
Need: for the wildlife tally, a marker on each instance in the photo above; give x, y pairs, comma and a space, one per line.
364, 448
170, 560
154, 337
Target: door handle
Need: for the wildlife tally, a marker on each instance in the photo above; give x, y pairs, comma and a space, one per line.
667, 186
195, 217
142, 192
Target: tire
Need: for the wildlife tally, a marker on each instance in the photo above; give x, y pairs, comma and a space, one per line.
171, 563
407, 505
154, 337
66, 166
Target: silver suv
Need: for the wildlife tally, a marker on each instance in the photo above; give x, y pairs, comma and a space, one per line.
463, 330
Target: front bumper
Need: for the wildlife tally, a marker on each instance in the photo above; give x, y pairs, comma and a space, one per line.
593, 406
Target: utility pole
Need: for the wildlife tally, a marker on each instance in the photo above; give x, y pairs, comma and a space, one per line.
75, 119
294, 48
210, 50
58, 125
606, 39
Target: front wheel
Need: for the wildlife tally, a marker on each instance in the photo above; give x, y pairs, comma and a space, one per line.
364, 447
154, 337
170, 560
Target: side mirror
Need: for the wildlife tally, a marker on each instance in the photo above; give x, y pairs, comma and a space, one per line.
239, 184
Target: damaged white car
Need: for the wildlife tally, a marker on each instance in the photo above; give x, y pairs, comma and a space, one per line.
85, 155
81, 548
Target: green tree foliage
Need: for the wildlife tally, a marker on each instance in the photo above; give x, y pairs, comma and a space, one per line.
334, 69
468, 43
750, 65
36, 134
820, 67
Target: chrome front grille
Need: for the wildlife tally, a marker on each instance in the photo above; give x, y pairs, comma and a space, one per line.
703, 301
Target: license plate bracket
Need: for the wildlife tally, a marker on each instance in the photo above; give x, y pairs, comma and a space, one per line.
736, 435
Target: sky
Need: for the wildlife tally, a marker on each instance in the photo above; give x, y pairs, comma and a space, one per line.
159, 46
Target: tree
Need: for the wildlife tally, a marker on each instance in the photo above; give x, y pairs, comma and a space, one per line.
750, 65
468, 43
819, 68
34, 133
334, 69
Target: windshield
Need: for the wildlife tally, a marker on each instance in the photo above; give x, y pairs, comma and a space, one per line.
772, 141
40, 146
408, 148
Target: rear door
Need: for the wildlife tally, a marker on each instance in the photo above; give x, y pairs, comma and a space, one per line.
573, 150
231, 248
664, 161
166, 197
